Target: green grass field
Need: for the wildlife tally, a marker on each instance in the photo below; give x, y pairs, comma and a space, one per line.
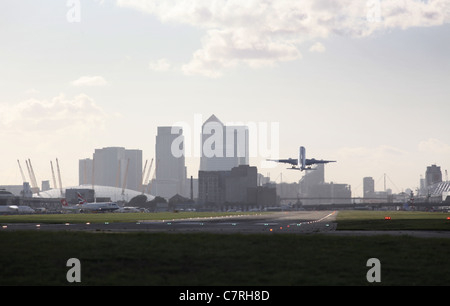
400, 220
39, 257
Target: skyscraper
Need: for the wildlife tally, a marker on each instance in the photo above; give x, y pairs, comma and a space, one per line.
223, 147
170, 163
433, 175
112, 166
84, 171
368, 187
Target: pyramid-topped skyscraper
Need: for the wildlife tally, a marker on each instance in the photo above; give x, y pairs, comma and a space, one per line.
223, 147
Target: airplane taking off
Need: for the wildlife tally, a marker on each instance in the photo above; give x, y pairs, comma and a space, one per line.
302, 163
83, 205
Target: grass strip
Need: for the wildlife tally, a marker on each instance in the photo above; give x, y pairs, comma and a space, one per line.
39, 258
399, 220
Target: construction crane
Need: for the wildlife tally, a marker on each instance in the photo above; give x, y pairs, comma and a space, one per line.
119, 166
21, 172
33, 176
143, 172
147, 176
59, 177
29, 173
35, 187
93, 174
153, 178
53, 175
125, 177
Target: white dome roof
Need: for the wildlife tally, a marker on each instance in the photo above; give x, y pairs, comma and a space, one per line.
114, 193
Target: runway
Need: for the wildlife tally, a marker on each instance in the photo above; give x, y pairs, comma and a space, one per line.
277, 222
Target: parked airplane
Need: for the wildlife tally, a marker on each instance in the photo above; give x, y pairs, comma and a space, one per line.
14, 209
24, 209
128, 209
7, 209
83, 205
302, 163
66, 206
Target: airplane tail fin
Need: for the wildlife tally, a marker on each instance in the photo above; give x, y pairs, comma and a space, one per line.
81, 200
302, 158
64, 202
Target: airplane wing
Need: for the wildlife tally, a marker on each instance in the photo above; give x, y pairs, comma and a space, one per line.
302, 163
314, 161
293, 162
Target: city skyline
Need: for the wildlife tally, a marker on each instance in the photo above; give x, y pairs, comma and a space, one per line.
364, 85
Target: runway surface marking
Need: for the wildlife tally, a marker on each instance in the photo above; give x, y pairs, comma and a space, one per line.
293, 222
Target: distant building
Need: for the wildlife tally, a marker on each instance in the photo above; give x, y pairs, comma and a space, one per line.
312, 178
85, 171
112, 166
211, 187
422, 190
238, 182
26, 191
439, 191
23, 190
316, 191
191, 188
235, 187
263, 196
223, 147
331, 193
287, 190
6, 197
170, 163
372, 196
178, 202
45, 185
435, 190
433, 175
368, 187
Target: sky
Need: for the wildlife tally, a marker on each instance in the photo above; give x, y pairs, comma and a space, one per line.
366, 83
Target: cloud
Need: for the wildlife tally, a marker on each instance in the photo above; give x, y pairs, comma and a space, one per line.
409, 13
42, 129
361, 159
57, 115
161, 65
261, 33
227, 49
317, 47
433, 145
89, 81
365, 153
32, 91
